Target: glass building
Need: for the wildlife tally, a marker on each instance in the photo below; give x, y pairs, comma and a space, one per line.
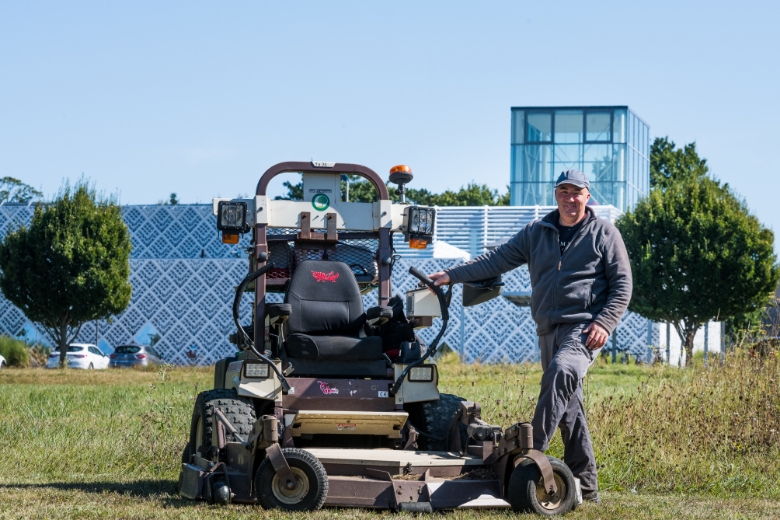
611, 145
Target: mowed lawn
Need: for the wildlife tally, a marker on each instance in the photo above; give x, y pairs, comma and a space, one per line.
696, 443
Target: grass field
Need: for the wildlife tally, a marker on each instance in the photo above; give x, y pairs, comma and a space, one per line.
696, 443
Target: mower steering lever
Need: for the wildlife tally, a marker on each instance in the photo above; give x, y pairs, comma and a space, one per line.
444, 301
251, 344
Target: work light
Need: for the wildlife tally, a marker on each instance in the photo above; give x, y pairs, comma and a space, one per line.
231, 217
256, 370
419, 222
421, 373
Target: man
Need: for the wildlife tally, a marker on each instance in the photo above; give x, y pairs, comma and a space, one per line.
581, 286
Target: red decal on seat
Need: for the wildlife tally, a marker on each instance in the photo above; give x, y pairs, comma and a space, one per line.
325, 277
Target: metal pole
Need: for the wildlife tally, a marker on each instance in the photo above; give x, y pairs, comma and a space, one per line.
669, 344
97, 331
462, 333
706, 341
614, 347
722, 341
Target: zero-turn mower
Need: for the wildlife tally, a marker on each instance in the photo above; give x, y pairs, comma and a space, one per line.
330, 404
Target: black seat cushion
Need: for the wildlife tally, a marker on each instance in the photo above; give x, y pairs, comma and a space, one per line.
346, 348
325, 300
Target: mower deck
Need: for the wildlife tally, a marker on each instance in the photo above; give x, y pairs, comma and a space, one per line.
408, 480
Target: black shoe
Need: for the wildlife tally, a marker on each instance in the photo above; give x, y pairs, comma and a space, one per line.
592, 497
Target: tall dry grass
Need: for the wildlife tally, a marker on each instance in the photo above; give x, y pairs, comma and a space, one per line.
707, 429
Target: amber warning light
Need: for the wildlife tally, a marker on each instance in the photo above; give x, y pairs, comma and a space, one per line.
229, 238
418, 243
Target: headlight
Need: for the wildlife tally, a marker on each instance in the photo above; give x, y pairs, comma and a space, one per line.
421, 220
423, 373
419, 224
231, 217
256, 370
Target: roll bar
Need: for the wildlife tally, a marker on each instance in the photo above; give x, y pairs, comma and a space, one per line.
304, 167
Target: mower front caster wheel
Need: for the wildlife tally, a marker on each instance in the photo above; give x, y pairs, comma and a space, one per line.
527, 493
310, 488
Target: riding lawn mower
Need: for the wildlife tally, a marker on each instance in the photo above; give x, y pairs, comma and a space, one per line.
330, 404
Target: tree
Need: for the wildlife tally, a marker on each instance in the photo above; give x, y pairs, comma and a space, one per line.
668, 165
71, 265
173, 199
360, 190
14, 190
697, 254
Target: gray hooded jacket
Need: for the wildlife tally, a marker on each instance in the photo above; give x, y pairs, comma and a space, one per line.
589, 281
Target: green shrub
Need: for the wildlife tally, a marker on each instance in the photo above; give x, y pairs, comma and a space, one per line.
15, 352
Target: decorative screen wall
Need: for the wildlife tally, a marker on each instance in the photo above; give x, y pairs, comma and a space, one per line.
184, 281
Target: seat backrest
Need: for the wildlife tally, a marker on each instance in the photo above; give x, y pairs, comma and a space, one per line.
325, 299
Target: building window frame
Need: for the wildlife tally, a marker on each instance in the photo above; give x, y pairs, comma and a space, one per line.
611, 113
527, 133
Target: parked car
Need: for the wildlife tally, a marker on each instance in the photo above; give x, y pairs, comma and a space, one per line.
135, 355
80, 355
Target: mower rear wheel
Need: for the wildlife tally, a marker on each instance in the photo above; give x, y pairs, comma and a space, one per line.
435, 421
527, 493
239, 411
309, 491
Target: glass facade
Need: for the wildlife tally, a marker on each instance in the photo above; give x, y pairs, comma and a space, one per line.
611, 145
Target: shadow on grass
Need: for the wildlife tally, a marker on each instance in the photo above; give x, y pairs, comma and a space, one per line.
163, 490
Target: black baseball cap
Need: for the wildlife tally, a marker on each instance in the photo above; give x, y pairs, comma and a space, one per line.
575, 177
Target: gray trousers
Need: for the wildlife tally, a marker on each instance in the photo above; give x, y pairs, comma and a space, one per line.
565, 361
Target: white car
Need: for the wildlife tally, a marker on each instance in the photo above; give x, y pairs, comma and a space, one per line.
3, 364
80, 355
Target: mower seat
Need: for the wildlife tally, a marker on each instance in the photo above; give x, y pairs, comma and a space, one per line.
326, 328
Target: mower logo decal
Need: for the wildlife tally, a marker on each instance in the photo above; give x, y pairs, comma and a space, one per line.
320, 202
326, 389
325, 277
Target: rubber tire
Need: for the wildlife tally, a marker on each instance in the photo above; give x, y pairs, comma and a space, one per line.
239, 411
434, 418
90, 367
314, 472
526, 479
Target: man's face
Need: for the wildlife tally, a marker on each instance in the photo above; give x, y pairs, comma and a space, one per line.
571, 201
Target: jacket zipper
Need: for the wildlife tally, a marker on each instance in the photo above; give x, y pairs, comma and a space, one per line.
560, 261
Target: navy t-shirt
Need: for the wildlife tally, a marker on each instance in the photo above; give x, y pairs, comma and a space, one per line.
566, 234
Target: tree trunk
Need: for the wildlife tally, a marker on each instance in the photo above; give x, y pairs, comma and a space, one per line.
687, 331
63, 344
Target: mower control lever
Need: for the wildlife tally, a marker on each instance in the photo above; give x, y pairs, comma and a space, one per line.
445, 313
445, 317
247, 341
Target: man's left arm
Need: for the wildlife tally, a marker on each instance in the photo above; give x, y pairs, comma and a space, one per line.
619, 283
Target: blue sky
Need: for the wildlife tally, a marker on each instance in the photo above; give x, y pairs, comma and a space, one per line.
146, 98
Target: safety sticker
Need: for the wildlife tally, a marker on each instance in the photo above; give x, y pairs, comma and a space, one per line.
326, 389
346, 426
320, 202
